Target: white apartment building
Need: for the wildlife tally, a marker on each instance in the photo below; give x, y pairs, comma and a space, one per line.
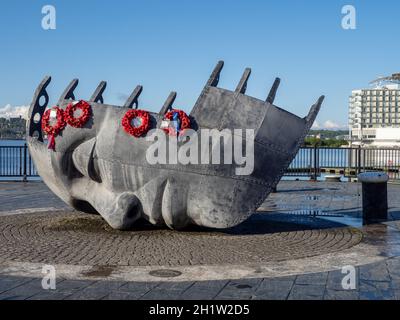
374, 114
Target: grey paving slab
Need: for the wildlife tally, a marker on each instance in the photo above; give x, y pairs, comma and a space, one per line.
204, 290
260, 289
23, 291
88, 294
70, 285
273, 289
393, 267
139, 286
131, 291
307, 292
31, 288
95, 290
239, 289
395, 284
376, 290
375, 272
8, 283
106, 285
341, 295
167, 291
50, 295
313, 279
122, 295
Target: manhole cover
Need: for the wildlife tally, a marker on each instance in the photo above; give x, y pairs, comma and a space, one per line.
165, 273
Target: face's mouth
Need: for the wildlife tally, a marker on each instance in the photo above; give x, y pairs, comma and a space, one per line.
100, 165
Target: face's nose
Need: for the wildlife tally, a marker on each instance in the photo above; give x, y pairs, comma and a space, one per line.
119, 209
85, 160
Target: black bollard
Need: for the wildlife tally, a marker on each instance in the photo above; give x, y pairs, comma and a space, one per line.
374, 196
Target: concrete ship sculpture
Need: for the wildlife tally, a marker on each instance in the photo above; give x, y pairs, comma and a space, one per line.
99, 167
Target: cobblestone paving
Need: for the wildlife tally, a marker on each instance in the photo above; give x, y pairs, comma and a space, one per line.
73, 238
287, 221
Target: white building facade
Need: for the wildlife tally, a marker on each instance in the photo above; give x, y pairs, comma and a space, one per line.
374, 114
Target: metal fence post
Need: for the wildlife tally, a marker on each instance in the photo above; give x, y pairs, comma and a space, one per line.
25, 178
359, 160
349, 161
364, 159
315, 164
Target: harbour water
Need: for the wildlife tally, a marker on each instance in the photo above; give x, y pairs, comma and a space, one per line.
10, 143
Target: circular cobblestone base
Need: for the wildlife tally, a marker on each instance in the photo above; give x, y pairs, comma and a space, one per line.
74, 238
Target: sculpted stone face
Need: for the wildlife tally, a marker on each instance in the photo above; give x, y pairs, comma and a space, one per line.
101, 168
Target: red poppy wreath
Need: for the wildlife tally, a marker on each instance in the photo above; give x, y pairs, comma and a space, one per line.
136, 122
53, 130
77, 122
183, 122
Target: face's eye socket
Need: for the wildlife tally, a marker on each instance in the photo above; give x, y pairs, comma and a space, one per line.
85, 160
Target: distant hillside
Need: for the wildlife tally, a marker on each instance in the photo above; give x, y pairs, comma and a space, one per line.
13, 128
329, 134
327, 138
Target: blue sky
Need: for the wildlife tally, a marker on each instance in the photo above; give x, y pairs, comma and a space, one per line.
174, 45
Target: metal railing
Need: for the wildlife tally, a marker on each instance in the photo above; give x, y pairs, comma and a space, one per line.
15, 161
348, 162
312, 162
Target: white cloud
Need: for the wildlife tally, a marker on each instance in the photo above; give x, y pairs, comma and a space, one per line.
10, 111
329, 125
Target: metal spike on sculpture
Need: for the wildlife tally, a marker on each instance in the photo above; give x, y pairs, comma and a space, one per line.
95, 165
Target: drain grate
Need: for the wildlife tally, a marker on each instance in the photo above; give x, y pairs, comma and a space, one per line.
165, 273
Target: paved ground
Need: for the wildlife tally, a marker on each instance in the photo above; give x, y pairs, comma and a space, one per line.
78, 239
19, 197
294, 248
375, 281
